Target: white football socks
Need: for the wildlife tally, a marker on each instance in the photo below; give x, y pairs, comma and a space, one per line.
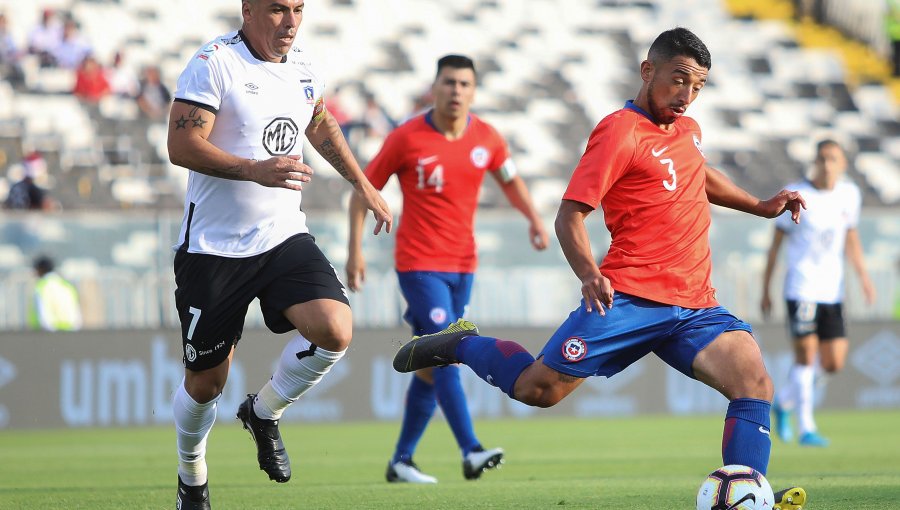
805, 385
193, 422
787, 395
301, 367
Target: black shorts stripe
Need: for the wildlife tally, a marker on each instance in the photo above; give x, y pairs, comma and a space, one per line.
186, 242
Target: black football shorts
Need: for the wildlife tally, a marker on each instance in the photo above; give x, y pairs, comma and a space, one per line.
823, 319
213, 294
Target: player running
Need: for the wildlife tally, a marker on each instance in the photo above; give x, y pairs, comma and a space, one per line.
241, 109
652, 293
440, 159
814, 285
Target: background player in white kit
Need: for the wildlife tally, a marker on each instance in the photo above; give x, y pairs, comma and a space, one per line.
242, 107
814, 285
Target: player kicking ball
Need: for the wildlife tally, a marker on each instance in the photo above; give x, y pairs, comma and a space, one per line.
652, 293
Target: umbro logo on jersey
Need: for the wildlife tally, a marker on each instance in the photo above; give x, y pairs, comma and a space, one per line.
252, 88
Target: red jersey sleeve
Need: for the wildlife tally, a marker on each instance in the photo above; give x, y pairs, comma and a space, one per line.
501, 152
609, 153
387, 162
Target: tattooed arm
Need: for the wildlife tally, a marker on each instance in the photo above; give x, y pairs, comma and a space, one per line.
189, 147
325, 135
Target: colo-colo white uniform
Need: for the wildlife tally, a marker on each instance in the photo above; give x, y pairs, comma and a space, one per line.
815, 246
262, 110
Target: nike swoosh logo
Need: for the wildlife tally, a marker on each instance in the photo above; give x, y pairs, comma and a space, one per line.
737, 504
658, 153
764, 431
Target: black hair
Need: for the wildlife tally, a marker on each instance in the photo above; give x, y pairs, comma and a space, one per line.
828, 142
43, 264
456, 62
679, 42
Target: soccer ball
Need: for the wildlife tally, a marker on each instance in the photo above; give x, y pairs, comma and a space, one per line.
735, 487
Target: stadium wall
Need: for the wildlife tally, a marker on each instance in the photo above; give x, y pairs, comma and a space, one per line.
126, 378
122, 266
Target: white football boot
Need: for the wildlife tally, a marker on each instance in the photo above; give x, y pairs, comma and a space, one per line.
476, 462
408, 472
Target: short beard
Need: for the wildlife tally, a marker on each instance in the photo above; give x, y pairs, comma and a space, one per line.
657, 117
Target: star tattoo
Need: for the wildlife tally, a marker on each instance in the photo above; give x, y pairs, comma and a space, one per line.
199, 122
181, 123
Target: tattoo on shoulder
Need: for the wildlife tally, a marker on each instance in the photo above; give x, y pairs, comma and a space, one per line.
195, 117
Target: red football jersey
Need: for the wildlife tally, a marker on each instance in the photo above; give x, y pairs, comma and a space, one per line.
651, 185
440, 180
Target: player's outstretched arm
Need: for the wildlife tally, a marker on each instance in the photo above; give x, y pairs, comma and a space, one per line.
765, 304
853, 249
325, 135
356, 262
720, 190
517, 194
189, 147
576, 245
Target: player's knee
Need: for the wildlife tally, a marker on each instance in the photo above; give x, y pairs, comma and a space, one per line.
333, 336
203, 390
832, 367
205, 385
754, 383
757, 384
538, 395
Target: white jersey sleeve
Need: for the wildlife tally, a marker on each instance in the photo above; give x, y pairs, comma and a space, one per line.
854, 204
203, 80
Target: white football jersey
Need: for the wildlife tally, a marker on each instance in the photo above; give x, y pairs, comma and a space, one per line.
815, 246
262, 110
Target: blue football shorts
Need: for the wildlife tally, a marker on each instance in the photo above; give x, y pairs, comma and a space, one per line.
589, 344
434, 299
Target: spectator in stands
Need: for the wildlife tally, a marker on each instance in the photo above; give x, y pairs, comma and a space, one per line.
892, 24
91, 84
422, 103
814, 9
813, 285
153, 97
44, 39
377, 122
55, 305
26, 194
73, 48
333, 105
122, 80
10, 65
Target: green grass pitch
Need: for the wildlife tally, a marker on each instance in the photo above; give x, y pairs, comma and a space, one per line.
648, 462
